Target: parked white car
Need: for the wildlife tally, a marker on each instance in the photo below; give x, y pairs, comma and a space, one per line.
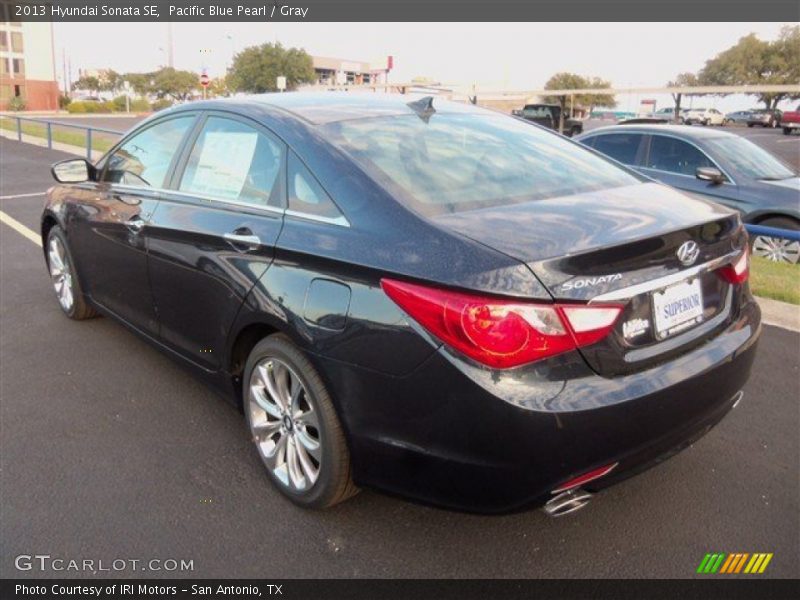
704, 116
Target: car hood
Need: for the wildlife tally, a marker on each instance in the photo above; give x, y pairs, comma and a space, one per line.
793, 183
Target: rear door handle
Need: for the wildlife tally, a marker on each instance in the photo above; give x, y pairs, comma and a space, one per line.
243, 238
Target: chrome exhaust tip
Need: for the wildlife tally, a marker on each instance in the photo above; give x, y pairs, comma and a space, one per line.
567, 502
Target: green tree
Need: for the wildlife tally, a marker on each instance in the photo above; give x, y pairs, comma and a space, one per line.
572, 81
752, 61
110, 81
140, 82
88, 83
172, 83
218, 87
257, 68
682, 80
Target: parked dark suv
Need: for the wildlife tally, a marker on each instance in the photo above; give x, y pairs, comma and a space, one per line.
549, 115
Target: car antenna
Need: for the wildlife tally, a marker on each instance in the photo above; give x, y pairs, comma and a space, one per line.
423, 107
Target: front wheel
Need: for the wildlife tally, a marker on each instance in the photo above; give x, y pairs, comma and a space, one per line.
294, 425
777, 249
787, 131
65, 281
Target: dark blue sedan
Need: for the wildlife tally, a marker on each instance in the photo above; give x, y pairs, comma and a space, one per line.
717, 165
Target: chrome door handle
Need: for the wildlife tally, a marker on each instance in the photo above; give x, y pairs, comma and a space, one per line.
135, 224
243, 239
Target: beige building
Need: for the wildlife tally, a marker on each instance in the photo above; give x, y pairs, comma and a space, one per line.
333, 71
27, 63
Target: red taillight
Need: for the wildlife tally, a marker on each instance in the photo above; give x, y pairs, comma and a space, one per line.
585, 478
739, 271
502, 333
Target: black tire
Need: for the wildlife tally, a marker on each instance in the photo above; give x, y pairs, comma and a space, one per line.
80, 309
787, 131
750, 124
574, 131
334, 483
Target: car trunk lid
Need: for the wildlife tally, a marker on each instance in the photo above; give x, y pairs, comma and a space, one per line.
621, 246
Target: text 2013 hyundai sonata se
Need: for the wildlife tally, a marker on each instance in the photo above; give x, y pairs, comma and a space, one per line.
421, 297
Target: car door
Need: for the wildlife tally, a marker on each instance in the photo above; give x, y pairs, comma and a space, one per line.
110, 233
212, 237
675, 162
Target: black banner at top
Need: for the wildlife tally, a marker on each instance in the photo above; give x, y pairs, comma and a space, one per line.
404, 10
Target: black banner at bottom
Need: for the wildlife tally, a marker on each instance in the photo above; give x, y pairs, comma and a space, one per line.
415, 589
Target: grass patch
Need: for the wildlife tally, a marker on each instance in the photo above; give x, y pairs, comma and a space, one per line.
73, 138
779, 281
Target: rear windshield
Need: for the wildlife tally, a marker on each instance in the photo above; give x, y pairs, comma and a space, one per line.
454, 162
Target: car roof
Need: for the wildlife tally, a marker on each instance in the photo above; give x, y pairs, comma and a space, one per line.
318, 108
695, 133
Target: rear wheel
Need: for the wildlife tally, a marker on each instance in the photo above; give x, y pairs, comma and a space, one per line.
294, 425
774, 248
787, 131
65, 281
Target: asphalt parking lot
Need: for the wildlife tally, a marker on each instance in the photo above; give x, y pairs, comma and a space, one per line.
110, 450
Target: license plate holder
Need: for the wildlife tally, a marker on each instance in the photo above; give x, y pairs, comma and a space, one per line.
677, 307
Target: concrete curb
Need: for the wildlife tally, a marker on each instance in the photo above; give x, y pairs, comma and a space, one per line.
780, 314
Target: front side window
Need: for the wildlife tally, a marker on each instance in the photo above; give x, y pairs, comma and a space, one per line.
449, 162
306, 194
234, 162
144, 159
675, 156
623, 147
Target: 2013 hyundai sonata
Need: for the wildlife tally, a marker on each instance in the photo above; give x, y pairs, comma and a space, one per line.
422, 297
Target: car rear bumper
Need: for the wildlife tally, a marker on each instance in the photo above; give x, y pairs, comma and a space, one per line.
439, 437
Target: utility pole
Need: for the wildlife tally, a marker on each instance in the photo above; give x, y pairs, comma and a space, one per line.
64, 70
170, 49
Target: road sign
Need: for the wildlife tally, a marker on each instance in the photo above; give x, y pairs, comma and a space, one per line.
204, 80
281, 83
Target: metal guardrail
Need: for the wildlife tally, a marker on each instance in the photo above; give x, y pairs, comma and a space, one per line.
773, 232
49, 130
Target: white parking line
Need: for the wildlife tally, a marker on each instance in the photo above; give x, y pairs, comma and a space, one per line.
20, 228
31, 195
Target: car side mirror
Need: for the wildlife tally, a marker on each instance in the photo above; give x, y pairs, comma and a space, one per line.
711, 174
72, 170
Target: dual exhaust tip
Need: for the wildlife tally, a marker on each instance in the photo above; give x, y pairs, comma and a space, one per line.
570, 497
567, 502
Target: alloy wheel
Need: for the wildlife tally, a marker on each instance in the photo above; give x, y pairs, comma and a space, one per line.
285, 425
776, 249
60, 273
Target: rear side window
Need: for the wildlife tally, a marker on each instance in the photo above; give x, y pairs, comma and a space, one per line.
144, 159
306, 195
234, 162
449, 162
675, 156
623, 147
